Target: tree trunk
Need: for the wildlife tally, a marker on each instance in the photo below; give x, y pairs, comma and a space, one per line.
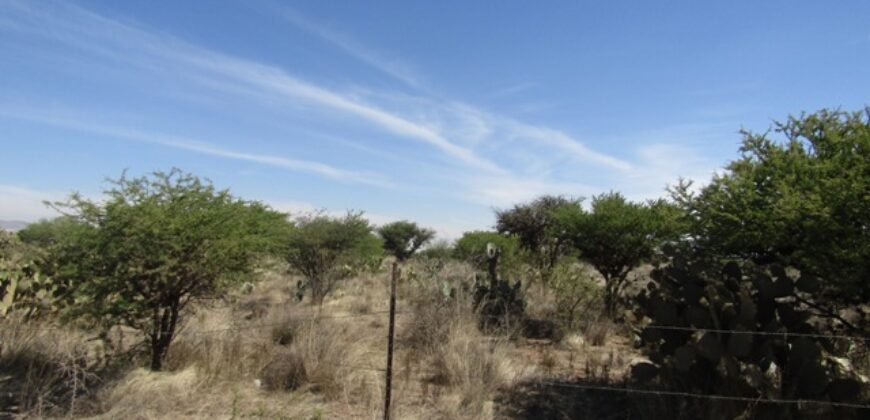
163, 330
610, 296
318, 291
156, 360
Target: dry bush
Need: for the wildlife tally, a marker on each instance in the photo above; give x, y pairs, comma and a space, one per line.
474, 366
596, 331
325, 357
285, 372
219, 347
45, 372
444, 334
430, 320
143, 394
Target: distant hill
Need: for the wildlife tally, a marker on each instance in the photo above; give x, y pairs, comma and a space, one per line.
12, 225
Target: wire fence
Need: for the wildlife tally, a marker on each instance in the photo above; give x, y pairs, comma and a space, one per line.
713, 397
760, 333
551, 383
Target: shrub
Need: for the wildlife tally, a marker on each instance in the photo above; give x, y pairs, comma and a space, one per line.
153, 246
327, 250
798, 202
285, 372
533, 225
615, 237
576, 294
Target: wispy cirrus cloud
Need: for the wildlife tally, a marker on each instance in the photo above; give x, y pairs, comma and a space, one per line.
88, 31
468, 121
386, 63
79, 123
473, 154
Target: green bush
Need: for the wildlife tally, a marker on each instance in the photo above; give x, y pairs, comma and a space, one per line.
616, 236
533, 225
153, 246
327, 250
799, 202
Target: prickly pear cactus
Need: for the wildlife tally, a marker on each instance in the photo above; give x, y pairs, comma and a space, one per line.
25, 289
726, 329
499, 301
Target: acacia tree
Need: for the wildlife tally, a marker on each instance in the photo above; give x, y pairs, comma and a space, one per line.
153, 246
403, 238
533, 224
616, 236
803, 201
328, 249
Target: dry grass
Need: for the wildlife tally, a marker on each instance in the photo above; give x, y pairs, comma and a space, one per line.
45, 370
260, 353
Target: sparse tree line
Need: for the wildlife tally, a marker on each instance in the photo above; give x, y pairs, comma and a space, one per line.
779, 242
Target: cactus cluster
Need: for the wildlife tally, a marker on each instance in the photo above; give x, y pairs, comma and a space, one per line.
498, 302
24, 288
715, 327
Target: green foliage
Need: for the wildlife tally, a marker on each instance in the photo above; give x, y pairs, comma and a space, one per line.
402, 239
616, 236
692, 293
155, 244
471, 247
800, 202
533, 225
328, 249
440, 250
48, 232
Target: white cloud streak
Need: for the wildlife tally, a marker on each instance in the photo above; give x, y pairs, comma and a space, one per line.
391, 66
196, 146
88, 31
478, 123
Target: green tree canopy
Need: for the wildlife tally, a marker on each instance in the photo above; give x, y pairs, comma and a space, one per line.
803, 202
156, 244
48, 232
403, 238
616, 236
328, 249
533, 225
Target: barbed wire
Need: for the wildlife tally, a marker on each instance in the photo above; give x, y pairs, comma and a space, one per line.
350, 316
285, 321
762, 333
703, 396
226, 329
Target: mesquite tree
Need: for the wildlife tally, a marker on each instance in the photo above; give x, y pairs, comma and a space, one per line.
328, 249
616, 236
533, 224
797, 196
154, 245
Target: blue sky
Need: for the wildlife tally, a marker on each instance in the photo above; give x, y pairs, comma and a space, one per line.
437, 112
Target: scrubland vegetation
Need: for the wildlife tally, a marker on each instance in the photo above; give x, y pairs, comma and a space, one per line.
745, 298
